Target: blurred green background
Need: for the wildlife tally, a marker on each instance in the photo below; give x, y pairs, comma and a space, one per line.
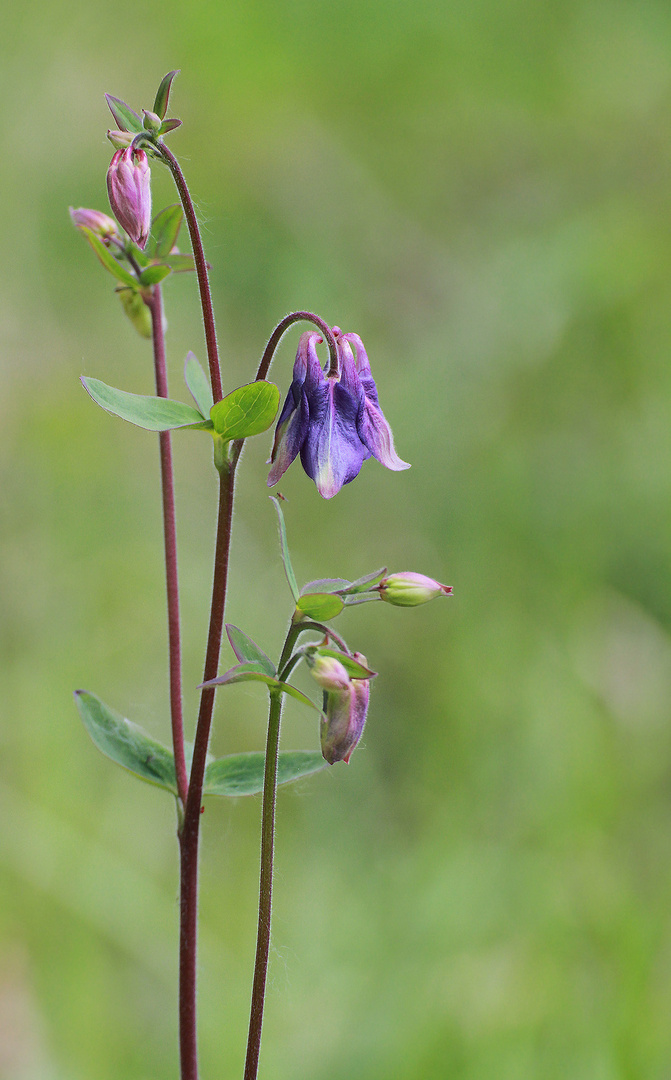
481, 190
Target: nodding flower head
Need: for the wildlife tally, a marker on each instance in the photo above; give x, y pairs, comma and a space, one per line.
129, 189
333, 421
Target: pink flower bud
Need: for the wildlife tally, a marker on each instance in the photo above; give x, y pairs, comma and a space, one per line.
102, 225
345, 710
409, 589
329, 673
129, 189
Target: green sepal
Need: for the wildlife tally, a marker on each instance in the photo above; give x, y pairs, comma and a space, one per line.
150, 413
249, 410
163, 94
284, 550
126, 118
255, 672
198, 383
320, 606
364, 583
169, 125
178, 263
354, 669
326, 585
247, 651
164, 231
242, 774
107, 259
126, 743
153, 274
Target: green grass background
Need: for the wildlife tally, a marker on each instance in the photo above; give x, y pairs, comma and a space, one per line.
482, 191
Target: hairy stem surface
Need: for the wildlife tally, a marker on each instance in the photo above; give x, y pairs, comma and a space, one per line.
201, 268
170, 541
190, 834
281, 329
266, 877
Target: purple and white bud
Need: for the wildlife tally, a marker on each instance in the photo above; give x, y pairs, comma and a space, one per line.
345, 710
409, 590
329, 673
129, 189
101, 224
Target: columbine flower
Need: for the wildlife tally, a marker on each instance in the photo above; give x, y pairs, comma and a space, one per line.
129, 189
334, 421
345, 706
410, 590
102, 225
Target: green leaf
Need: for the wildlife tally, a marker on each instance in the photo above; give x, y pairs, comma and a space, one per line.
363, 583
141, 257
255, 672
163, 94
198, 383
326, 584
247, 651
320, 606
178, 263
153, 274
126, 743
165, 228
284, 549
150, 413
107, 259
249, 410
353, 668
126, 118
242, 774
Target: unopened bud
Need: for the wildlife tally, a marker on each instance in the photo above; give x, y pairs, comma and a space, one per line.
151, 121
120, 139
328, 672
129, 189
102, 225
410, 590
345, 710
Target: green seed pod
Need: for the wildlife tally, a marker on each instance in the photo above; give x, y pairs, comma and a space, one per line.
137, 311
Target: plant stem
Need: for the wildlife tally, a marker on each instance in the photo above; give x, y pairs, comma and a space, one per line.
189, 836
201, 267
281, 329
266, 877
170, 541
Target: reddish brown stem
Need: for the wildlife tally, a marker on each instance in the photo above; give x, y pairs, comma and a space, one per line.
189, 836
170, 542
201, 268
281, 329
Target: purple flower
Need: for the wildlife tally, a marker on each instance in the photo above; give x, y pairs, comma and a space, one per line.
129, 189
334, 422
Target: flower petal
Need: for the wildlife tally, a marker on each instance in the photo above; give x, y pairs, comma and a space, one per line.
290, 432
332, 452
375, 433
